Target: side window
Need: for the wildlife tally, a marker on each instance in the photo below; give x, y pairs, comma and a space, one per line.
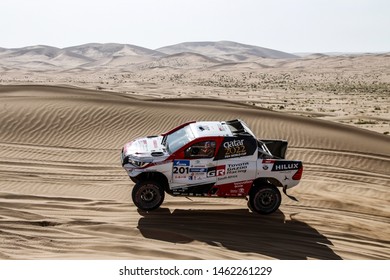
204, 149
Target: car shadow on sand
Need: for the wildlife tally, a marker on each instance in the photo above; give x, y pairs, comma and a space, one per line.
239, 230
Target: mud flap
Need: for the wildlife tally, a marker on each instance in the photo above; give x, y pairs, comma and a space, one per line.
289, 196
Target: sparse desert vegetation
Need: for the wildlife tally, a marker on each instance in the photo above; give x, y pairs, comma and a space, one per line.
353, 90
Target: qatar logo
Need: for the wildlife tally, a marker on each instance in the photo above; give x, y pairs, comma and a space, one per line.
234, 143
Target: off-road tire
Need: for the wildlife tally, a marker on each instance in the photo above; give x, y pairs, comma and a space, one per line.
264, 199
147, 195
134, 180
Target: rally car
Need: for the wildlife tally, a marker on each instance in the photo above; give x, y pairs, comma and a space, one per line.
210, 159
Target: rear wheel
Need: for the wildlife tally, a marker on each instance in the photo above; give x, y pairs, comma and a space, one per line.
264, 199
147, 195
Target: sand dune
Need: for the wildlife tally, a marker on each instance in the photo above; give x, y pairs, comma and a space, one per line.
131, 57
349, 89
225, 50
64, 194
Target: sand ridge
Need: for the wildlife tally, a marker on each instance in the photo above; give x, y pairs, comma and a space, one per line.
64, 194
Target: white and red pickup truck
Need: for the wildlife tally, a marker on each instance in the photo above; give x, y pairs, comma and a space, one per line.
210, 159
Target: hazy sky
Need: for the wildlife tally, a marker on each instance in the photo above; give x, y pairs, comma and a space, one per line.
285, 25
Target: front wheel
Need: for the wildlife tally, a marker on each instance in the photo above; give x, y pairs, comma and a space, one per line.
264, 199
147, 195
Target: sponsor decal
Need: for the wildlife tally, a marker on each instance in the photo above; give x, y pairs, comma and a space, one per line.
194, 177
227, 177
242, 184
203, 127
194, 190
266, 161
198, 169
233, 143
211, 172
221, 170
220, 127
237, 168
237, 192
181, 163
236, 147
286, 165
143, 145
127, 147
181, 167
265, 167
216, 171
198, 164
235, 189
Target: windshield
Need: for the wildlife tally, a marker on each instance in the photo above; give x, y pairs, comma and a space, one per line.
179, 138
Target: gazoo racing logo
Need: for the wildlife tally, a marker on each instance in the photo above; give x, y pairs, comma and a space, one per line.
216, 171
286, 165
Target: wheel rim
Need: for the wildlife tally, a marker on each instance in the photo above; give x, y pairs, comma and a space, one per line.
149, 196
266, 201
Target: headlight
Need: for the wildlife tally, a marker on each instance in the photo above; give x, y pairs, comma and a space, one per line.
139, 164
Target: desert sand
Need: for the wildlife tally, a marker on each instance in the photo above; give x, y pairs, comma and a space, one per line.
64, 194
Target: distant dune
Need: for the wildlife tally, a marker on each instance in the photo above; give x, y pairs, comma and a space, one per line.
98, 51
95, 55
226, 50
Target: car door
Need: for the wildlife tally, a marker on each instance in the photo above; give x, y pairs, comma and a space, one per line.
195, 166
236, 164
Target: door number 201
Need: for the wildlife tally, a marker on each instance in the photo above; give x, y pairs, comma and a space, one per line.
180, 170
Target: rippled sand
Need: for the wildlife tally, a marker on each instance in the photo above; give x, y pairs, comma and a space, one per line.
64, 194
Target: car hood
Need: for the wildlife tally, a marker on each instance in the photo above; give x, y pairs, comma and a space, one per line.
147, 149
